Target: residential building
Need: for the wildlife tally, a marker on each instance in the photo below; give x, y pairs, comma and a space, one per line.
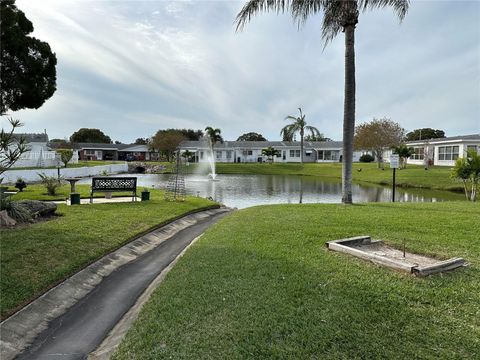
251, 151
441, 152
98, 151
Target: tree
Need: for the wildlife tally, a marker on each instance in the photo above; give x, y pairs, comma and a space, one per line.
65, 155
28, 76
167, 142
117, 142
319, 137
188, 134
187, 154
213, 136
378, 135
85, 135
404, 152
424, 134
338, 16
467, 169
11, 148
299, 125
270, 152
141, 141
251, 136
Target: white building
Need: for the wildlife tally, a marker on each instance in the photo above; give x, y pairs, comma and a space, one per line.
441, 152
251, 151
38, 153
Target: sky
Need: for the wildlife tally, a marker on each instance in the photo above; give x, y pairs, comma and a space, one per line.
130, 68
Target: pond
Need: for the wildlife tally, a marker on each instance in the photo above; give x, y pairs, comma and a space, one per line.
243, 191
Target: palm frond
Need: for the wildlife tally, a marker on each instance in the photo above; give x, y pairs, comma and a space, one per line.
253, 7
400, 7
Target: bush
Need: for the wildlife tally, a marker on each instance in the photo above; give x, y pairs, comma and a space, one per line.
366, 158
65, 155
51, 183
20, 184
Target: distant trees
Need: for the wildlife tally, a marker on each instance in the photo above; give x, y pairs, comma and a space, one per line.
319, 137
424, 134
251, 136
166, 142
467, 170
90, 136
188, 134
141, 141
298, 125
270, 152
404, 152
28, 76
378, 135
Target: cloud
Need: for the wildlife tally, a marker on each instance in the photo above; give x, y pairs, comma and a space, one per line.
133, 67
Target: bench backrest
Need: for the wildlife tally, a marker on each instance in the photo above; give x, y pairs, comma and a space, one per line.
114, 183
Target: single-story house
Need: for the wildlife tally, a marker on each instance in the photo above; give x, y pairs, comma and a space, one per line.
98, 151
251, 151
441, 152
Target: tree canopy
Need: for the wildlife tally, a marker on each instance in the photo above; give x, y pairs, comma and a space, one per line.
424, 134
28, 76
378, 135
167, 141
188, 134
214, 135
319, 137
86, 135
251, 136
141, 141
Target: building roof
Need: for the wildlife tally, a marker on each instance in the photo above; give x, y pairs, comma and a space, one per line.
118, 147
32, 138
262, 144
474, 137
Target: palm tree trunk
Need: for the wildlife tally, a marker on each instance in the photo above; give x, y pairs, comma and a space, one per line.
348, 114
301, 146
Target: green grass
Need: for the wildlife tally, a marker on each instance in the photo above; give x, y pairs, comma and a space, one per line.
36, 257
261, 285
39, 192
437, 177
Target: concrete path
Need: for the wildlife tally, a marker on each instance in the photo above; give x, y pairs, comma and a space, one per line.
83, 327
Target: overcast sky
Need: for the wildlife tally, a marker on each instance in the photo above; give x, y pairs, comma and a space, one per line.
130, 68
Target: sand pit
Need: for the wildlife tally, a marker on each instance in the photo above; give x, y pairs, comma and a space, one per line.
378, 252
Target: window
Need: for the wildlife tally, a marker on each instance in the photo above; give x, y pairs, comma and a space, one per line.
418, 154
89, 152
229, 154
308, 153
448, 152
219, 154
249, 152
328, 155
294, 153
201, 154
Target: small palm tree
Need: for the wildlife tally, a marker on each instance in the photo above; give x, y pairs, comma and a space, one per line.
299, 125
270, 152
338, 16
213, 135
404, 152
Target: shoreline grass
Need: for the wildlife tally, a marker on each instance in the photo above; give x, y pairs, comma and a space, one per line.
36, 257
260, 284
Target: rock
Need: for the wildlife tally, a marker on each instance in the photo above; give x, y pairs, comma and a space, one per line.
25, 210
6, 220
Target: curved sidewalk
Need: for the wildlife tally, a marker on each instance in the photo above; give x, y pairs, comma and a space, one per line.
113, 285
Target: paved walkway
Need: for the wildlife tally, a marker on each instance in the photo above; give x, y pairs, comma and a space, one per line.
83, 327
101, 200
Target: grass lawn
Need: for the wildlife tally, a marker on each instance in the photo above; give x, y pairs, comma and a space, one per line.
437, 177
261, 285
36, 257
38, 192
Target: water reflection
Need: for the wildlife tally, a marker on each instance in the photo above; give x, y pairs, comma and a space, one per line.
248, 190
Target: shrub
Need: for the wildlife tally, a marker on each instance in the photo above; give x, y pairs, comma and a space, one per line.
65, 155
51, 183
366, 158
20, 184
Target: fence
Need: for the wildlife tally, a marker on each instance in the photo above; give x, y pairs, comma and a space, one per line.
10, 176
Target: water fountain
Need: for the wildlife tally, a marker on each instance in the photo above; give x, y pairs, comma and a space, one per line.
211, 160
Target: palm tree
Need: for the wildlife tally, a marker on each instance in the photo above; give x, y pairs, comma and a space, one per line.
213, 135
299, 125
338, 16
